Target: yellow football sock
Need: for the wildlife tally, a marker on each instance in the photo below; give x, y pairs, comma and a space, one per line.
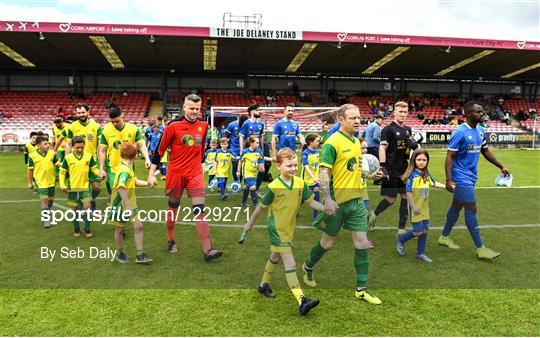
268, 271
292, 280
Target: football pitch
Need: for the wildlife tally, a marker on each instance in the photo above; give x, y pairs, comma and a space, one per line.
180, 294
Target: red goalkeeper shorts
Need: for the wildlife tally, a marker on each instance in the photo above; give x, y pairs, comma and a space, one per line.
175, 185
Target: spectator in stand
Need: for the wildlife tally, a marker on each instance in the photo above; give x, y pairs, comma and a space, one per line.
506, 118
521, 116
445, 120
532, 113
420, 116
454, 121
484, 123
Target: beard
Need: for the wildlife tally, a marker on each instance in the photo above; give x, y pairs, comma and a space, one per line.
256, 116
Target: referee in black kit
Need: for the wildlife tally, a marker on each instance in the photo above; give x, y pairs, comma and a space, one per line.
394, 152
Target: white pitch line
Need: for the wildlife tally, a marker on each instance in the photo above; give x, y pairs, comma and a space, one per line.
163, 196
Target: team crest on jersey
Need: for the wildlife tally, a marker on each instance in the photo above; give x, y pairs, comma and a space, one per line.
397, 133
351, 163
188, 140
117, 144
424, 193
470, 137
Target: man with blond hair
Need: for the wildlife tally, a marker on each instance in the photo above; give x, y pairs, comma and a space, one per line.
394, 152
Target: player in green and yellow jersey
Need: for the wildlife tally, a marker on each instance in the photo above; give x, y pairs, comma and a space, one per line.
41, 173
124, 203
283, 198
79, 165
115, 133
340, 178
90, 130
363, 180
30, 147
58, 128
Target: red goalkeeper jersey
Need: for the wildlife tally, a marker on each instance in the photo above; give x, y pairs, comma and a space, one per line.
187, 142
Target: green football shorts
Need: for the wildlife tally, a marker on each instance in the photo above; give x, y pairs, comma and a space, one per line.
351, 215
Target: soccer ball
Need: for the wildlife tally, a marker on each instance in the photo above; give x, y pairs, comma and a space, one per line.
234, 187
209, 166
370, 166
212, 184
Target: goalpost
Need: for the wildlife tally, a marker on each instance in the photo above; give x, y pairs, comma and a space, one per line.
310, 119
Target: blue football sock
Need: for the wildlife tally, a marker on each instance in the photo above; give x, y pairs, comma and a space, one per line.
254, 197
245, 195
406, 236
221, 186
421, 248
234, 169
259, 180
472, 224
451, 218
316, 197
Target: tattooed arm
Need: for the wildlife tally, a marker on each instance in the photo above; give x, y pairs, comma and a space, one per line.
329, 204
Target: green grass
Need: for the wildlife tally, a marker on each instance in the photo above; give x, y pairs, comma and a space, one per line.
182, 295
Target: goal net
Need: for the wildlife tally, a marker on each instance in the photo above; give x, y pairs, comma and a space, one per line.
311, 119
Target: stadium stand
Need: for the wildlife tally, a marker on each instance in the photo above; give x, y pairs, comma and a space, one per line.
431, 108
25, 110
36, 110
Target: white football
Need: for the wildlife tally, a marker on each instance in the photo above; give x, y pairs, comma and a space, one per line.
370, 166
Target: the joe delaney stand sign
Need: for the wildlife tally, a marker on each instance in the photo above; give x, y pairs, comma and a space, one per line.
443, 137
241, 33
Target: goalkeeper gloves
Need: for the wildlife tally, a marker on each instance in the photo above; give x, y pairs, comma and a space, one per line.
386, 175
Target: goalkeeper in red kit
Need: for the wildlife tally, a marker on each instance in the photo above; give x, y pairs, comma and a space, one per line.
185, 137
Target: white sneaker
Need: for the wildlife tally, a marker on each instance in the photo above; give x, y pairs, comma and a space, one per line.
401, 232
